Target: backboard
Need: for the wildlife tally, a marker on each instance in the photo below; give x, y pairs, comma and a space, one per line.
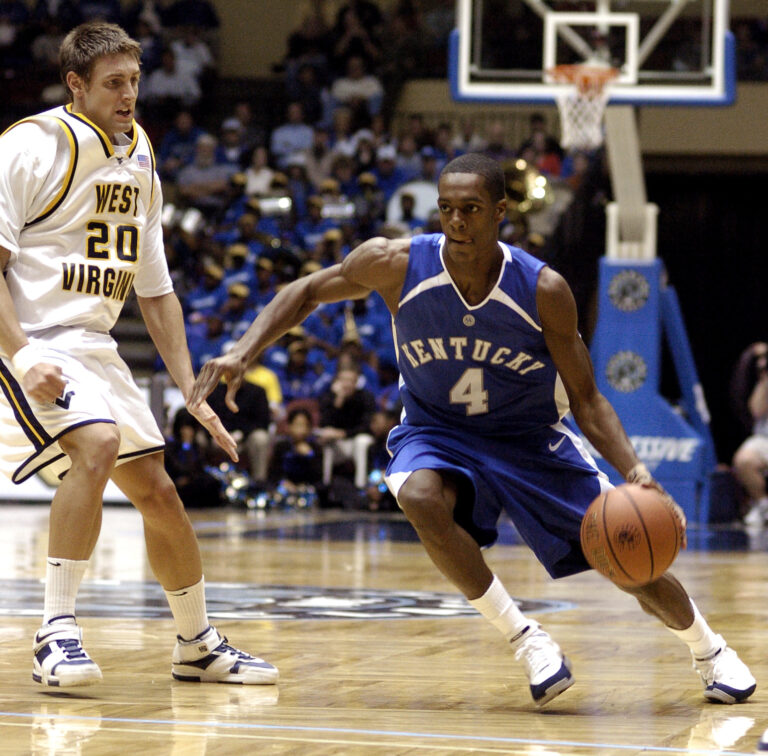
666, 51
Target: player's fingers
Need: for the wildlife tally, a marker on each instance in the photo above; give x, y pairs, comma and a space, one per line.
232, 388
205, 382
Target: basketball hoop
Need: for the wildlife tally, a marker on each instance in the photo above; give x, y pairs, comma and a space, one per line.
583, 103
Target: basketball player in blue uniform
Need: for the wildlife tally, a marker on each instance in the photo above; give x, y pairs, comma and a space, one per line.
80, 226
491, 364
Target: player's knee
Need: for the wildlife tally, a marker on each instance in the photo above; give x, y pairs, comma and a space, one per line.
423, 505
93, 449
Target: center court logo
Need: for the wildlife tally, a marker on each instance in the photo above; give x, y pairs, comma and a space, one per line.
255, 602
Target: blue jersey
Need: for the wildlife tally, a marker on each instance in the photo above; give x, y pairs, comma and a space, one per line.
484, 369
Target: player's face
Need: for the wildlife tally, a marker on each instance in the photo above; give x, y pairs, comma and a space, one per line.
468, 217
108, 99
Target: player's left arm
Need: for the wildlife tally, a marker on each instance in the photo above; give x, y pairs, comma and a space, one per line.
165, 323
593, 413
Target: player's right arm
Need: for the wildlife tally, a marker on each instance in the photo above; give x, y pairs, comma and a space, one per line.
27, 152
39, 379
375, 265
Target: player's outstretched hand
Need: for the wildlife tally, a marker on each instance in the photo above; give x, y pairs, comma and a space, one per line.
227, 368
210, 421
640, 475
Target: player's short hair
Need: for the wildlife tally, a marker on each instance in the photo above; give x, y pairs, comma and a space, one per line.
86, 43
481, 165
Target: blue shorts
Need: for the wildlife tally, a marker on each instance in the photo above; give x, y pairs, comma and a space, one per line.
543, 480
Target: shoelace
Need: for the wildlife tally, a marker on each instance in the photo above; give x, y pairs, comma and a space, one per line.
532, 650
72, 649
224, 647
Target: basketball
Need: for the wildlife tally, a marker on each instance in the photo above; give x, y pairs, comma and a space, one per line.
631, 535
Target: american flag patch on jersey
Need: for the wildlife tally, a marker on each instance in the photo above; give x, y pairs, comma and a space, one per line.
144, 161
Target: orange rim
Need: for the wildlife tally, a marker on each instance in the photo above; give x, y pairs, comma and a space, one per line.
587, 78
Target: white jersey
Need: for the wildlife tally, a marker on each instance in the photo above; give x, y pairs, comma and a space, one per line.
81, 218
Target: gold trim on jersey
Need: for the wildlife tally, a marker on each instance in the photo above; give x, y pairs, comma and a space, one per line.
74, 152
109, 150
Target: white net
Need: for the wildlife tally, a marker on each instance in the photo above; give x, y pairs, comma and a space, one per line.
582, 104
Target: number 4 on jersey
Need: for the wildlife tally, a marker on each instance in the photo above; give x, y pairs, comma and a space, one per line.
469, 390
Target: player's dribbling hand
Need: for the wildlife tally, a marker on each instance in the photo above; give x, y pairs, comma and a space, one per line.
640, 475
211, 422
227, 368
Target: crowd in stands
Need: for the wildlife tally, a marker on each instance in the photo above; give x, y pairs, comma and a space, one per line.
252, 205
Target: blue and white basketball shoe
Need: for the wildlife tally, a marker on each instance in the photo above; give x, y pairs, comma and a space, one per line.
726, 678
209, 658
548, 669
59, 658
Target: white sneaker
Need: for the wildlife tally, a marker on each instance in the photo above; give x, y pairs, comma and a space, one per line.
59, 658
209, 658
548, 670
763, 744
726, 678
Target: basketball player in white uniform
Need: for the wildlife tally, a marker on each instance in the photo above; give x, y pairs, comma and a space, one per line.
80, 208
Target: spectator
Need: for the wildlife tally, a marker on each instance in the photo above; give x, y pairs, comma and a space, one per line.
306, 87
204, 182
264, 288
496, 142
408, 158
359, 90
295, 468
298, 378
468, 140
249, 427
319, 157
206, 340
185, 461
749, 395
342, 138
309, 231
208, 296
377, 494
309, 45
178, 146
258, 174
292, 136
407, 210
355, 34
169, 88
389, 176
237, 312
263, 376
345, 417
252, 135
239, 266
231, 148
193, 54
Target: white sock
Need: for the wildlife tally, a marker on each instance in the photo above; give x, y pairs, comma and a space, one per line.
188, 609
699, 637
62, 582
497, 606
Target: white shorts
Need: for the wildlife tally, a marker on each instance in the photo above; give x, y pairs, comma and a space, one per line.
100, 389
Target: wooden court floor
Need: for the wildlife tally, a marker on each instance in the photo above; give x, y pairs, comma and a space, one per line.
377, 653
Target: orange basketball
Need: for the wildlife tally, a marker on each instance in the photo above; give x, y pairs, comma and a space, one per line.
631, 535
